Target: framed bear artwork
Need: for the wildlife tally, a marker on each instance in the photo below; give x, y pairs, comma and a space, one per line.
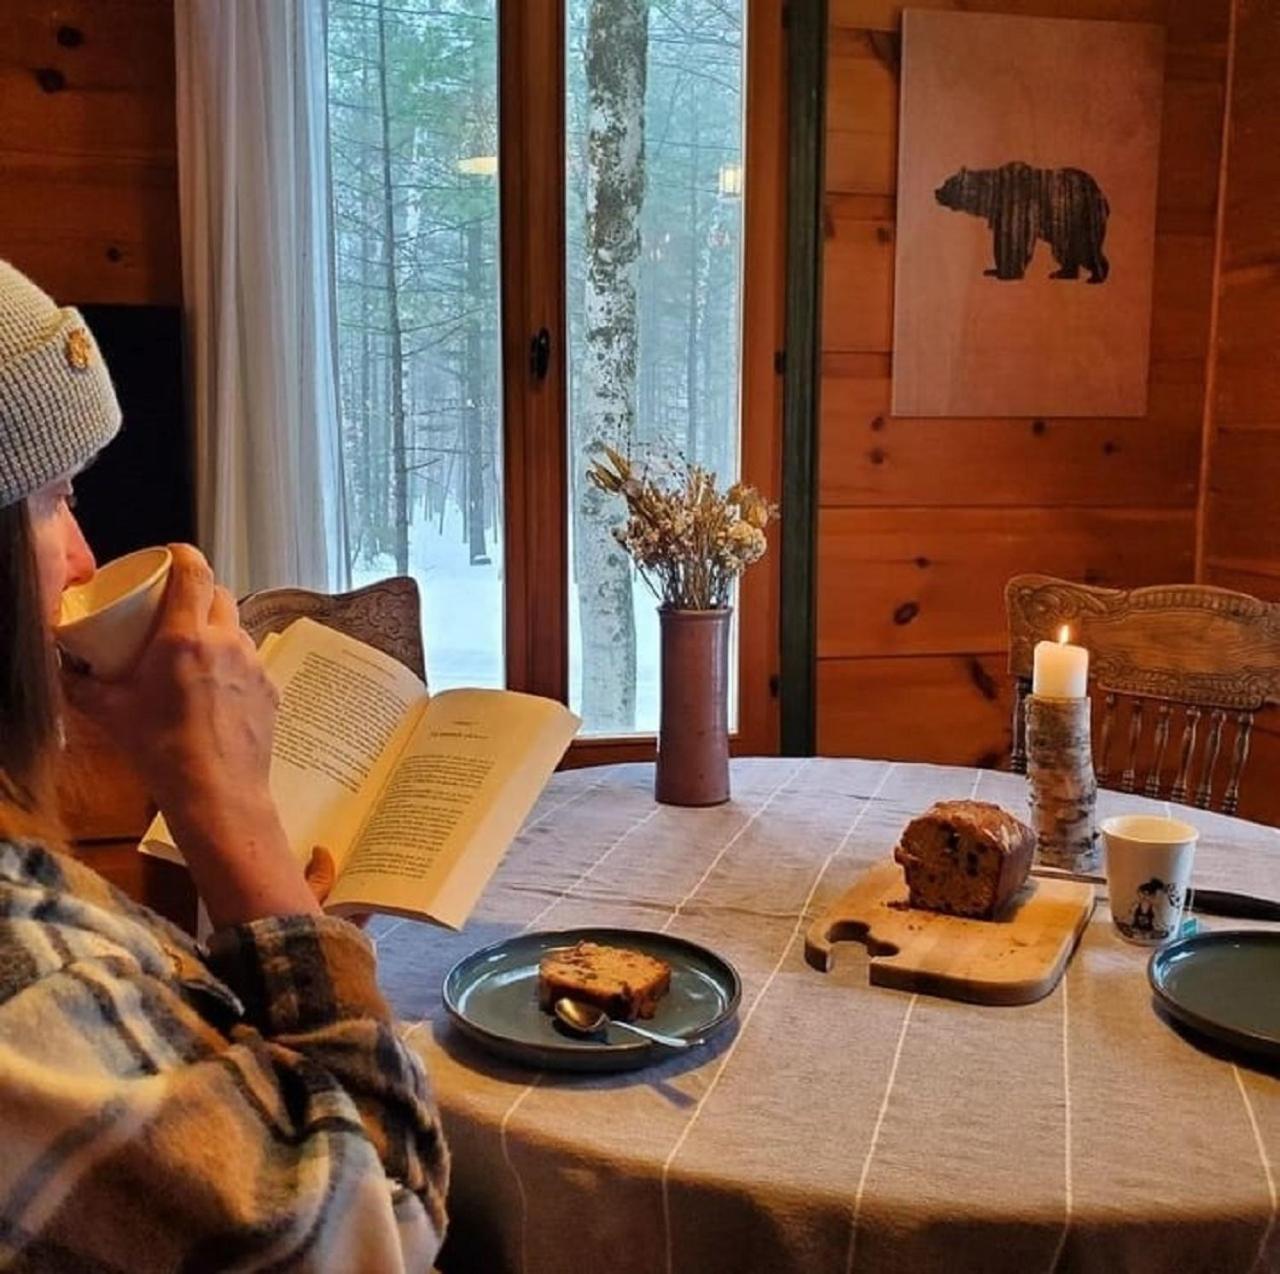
1027, 171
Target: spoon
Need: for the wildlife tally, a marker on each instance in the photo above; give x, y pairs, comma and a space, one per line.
586, 1019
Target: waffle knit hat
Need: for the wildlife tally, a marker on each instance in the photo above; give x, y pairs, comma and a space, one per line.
57, 406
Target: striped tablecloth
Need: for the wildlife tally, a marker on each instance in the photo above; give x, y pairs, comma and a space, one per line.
841, 1126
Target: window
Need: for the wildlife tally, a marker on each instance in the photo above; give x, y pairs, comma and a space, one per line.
413, 121
654, 214
541, 212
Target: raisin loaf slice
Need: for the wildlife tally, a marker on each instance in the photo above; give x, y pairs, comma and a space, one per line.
967, 858
625, 984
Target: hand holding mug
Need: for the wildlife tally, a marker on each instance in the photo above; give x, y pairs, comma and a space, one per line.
196, 714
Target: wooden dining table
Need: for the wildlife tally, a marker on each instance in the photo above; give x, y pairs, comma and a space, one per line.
835, 1125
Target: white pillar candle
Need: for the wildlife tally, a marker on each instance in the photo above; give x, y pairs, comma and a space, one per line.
1061, 671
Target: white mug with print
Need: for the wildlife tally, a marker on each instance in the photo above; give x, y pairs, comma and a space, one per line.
1148, 875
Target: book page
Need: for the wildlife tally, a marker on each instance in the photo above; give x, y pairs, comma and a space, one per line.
345, 713
462, 787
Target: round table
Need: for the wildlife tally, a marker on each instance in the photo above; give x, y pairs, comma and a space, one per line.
839, 1126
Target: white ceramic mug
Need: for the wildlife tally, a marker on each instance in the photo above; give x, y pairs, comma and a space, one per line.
1148, 875
107, 621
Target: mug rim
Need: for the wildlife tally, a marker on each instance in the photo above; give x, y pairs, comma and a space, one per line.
1177, 831
163, 563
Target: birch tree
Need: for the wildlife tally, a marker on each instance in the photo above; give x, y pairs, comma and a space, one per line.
616, 66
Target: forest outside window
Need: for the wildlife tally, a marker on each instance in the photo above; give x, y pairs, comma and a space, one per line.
652, 179
654, 214
413, 110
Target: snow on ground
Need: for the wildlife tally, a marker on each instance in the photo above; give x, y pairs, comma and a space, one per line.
462, 618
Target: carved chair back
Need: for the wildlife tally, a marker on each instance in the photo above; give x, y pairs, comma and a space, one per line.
1187, 655
387, 615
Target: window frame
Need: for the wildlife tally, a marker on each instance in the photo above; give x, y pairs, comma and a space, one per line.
531, 148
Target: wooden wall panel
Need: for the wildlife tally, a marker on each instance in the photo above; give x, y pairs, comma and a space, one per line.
873, 458
952, 710
922, 521
88, 200
1188, 21
1241, 509
931, 581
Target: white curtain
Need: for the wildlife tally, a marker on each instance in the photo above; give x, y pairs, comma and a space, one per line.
258, 283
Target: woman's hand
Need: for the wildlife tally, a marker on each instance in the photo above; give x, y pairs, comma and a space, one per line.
322, 875
196, 716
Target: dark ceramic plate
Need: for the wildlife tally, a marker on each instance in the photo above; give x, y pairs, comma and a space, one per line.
1223, 984
492, 995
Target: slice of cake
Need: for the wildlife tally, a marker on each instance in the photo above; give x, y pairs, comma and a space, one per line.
625, 984
967, 858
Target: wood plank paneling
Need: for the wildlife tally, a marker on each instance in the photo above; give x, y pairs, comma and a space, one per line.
89, 203
922, 521
1248, 369
1257, 579
953, 710
1244, 497
1188, 21
1241, 532
857, 247
931, 581
873, 458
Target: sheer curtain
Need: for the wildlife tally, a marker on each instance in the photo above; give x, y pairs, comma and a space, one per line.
259, 290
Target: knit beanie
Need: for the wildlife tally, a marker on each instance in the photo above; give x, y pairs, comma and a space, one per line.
57, 405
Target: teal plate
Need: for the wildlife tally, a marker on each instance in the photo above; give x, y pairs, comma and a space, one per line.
1224, 985
492, 995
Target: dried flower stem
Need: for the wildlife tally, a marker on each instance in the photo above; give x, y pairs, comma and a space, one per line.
688, 540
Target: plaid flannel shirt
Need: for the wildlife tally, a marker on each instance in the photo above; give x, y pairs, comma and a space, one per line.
250, 1108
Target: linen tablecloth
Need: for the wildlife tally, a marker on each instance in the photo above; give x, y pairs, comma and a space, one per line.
840, 1126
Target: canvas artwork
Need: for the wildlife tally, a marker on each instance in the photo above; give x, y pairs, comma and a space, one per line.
1027, 171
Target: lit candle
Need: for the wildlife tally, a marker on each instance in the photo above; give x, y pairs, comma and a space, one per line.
1061, 670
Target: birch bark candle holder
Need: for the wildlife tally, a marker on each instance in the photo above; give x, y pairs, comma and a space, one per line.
1063, 789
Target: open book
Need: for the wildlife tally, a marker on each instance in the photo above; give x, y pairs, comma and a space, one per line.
416, 796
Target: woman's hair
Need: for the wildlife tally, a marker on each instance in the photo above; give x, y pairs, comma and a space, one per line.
28, 685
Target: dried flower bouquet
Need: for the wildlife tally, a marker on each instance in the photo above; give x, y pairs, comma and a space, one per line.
688, 540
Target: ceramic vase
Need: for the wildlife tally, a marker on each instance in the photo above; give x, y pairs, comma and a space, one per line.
693, 728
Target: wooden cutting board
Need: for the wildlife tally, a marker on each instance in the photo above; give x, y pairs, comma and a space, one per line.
1013, 960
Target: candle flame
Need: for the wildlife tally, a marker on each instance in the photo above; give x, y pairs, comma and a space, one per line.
1064, 635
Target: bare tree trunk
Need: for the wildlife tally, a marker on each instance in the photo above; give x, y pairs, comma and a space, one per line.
399, 458
473, 421
616, 66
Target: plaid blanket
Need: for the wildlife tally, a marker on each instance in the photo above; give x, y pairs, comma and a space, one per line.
251, 1107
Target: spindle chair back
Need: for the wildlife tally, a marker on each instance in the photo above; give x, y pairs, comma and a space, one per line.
1184, 660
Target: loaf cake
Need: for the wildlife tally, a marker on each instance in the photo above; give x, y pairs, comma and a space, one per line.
967, 858
625, 984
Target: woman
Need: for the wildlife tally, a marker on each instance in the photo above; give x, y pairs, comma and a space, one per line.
163, 1107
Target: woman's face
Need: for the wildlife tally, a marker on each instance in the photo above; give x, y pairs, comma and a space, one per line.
63, 557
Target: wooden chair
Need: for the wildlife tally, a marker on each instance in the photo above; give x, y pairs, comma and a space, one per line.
1173, 654
387, 615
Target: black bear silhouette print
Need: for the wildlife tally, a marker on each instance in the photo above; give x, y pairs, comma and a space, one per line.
1063, 206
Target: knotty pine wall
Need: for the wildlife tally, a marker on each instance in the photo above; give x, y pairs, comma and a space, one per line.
1240, 539
88, 156
921, 522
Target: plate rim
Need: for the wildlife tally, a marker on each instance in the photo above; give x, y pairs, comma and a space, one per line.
1240, 1037
629, 1050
